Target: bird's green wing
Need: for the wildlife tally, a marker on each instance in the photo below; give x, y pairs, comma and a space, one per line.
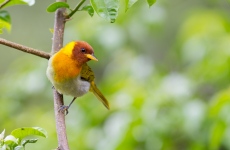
87, 73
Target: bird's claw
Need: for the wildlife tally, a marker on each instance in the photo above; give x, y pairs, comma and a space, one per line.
64, 109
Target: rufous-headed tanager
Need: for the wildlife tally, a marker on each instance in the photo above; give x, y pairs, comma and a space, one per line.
69, 73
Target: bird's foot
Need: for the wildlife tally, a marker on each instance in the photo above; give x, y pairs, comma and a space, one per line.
64, 109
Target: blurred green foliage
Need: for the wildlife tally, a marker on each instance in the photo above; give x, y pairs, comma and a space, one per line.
5, 20
164, 69
19, 137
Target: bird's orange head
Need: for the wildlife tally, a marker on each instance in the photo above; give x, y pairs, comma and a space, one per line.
80, 51
83, 52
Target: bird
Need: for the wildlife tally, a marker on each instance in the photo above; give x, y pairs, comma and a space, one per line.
70, 74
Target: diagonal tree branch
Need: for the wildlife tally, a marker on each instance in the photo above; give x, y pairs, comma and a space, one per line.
25, 48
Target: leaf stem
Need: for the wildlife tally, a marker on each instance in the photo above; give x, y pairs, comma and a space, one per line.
4, 3
75, 9
25, 48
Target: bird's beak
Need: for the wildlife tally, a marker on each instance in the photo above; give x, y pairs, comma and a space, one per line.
91, 56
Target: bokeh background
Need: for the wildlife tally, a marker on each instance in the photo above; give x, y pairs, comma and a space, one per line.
165, 71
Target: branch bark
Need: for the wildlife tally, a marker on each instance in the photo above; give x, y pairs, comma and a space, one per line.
59, 25
25, 48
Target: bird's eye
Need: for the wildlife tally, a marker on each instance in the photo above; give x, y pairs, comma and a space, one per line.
83, 50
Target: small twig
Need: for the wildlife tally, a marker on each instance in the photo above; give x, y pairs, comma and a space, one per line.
75, 9
25, 48
4, 3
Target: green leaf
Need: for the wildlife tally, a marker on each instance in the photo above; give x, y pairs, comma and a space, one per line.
100, 8
5, 21
53, 7
129, 3
89, 9
24, 142
107, 9
5, 25
112, 7
151, 2
18, 2
28, 131
5, 16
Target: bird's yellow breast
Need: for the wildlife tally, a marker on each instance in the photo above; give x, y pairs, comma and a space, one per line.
65, 67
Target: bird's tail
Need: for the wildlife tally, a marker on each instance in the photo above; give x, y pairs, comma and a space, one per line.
99, 95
